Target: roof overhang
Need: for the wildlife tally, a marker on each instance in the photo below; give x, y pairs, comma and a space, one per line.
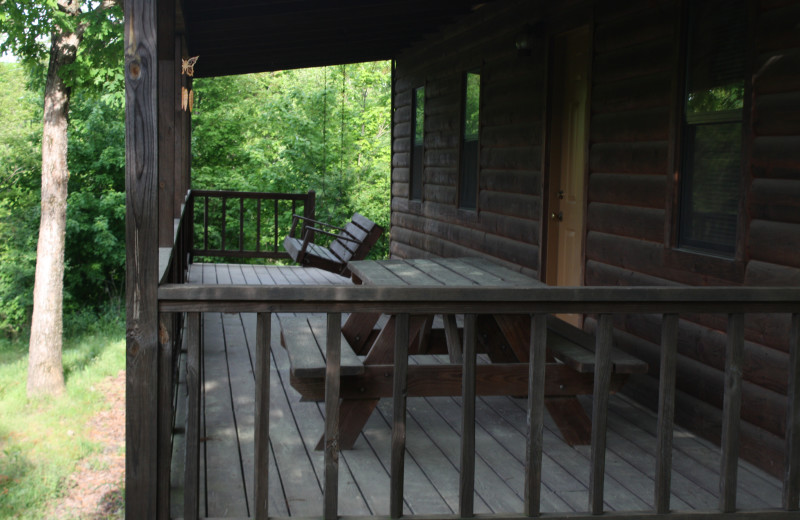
244, 36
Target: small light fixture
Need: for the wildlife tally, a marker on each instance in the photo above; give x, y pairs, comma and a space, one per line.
524, 40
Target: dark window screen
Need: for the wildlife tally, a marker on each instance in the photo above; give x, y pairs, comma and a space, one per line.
418, 124
712, 157
468, 180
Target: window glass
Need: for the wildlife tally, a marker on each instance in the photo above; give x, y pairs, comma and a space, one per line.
468, 182
712, 157
418, 124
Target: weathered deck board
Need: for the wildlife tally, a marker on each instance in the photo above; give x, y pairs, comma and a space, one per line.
433, 440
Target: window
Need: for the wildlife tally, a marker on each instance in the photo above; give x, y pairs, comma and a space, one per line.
711, 172
468, 175
418, 124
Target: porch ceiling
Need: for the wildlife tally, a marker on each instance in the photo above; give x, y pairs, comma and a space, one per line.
243, 36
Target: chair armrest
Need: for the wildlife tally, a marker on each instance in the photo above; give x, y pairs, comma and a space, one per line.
328, 233
296, 218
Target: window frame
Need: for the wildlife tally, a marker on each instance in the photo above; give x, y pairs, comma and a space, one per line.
677, 251
462, 143
416, 179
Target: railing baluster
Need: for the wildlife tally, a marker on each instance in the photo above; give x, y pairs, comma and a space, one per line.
791, 483
275, 235
191, 492
332, 383
666, 412
241, 223
258, 225
467, 483
731, 408
205, 223
602, 384
536, 375
224, 221
399, 394
261, 462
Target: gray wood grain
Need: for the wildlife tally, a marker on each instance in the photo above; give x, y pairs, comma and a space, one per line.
666, 412
537, 363
141, 237
791, 482
467, 480
399, 395
330, 509
602, 381
192, 469
261, 463
731, 410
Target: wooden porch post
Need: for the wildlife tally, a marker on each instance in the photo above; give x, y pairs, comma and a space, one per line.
141, 183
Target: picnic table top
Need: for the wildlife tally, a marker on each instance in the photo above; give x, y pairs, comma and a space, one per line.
454, 272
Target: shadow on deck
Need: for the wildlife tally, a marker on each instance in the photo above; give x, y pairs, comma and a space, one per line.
432, 457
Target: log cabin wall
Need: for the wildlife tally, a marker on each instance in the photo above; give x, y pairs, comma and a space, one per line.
631, 213
506, 224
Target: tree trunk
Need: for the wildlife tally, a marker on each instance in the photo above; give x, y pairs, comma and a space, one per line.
45, 373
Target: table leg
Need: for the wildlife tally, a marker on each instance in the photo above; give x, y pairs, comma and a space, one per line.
357, 330
571, 419
354, 413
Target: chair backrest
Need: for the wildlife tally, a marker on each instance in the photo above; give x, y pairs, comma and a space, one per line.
361, 229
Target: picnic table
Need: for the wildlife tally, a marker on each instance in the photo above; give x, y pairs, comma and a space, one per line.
368, 352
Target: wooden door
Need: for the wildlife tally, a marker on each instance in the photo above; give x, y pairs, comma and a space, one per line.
567, 159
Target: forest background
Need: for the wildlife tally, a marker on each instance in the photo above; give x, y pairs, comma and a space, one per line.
324, 129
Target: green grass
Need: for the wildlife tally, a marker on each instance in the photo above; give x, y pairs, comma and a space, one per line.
42, 440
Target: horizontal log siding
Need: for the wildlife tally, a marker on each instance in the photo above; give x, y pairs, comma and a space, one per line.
629, 198
506, 224
630, 193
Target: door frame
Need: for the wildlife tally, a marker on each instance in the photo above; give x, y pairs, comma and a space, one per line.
547, 123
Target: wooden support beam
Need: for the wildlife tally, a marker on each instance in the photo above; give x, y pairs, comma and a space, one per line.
399, 415
165, 411
141, 187
168, 82
191, 486
666, 412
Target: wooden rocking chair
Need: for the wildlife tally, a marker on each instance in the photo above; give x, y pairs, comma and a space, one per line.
352, 242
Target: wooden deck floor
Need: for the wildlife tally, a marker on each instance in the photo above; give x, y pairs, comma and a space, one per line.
432, 460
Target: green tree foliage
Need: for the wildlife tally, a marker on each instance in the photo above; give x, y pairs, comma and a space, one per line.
95, 251
278, 132
324, 129
20, 144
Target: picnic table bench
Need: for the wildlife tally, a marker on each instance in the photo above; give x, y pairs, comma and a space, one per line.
367, 372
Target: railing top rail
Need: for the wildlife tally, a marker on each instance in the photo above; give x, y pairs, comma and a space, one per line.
310, 298
249, 194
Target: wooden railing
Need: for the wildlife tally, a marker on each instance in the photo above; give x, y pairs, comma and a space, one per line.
237, 224
538, 303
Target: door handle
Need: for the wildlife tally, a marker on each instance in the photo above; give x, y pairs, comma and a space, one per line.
557, 216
